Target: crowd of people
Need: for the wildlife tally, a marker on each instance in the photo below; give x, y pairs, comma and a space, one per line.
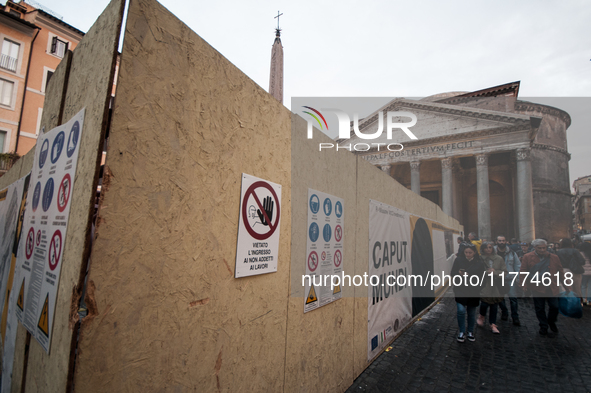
540, 270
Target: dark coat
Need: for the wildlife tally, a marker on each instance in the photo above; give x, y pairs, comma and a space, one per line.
467, 295
571, 258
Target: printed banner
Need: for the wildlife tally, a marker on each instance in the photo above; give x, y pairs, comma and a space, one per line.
389, 304
10, 202
409, 257
324, 256
12, 218
45, 226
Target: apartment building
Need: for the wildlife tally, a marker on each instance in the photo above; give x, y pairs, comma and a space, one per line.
34, 41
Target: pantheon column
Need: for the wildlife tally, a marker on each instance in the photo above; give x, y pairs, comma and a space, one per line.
483, 197
525, 205
447, 185
386, 168
415, 177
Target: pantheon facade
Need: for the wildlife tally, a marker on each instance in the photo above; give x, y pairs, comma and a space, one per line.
497, 164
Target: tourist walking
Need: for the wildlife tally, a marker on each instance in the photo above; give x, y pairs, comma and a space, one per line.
473, 237
467, 296
572, 261
540, 263
513, 265
491, 293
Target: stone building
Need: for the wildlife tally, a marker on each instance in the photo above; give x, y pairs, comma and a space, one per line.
582, 203
496, 163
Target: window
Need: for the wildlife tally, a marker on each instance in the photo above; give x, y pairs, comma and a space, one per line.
6, 88
9, 57
48, 75
2, 139
58, 47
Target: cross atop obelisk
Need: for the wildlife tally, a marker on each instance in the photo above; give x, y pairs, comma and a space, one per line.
278, 30
276, 77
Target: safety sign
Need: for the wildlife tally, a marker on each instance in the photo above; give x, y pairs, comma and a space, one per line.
311, 296
55, 249
43, 323
313, 232
52, 189
338, 209
327, 206
58, 145
257, 247
30, 245
312, 261
338, 233
43, 153
47, 194
325, 239
338, 258
63, 195
73, 139
36, 196
326, 233
314, 204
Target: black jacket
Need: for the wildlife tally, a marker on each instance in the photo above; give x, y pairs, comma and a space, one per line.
467, 294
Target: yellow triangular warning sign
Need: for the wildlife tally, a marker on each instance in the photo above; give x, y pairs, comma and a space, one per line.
311, 296
337, 289
43, 324
21, 296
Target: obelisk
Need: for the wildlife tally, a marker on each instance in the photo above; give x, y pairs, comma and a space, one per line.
276, 77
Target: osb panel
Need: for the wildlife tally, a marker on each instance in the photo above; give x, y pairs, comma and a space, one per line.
19, 359
372, 183
171, 315
89, 86
319, 342
55, 95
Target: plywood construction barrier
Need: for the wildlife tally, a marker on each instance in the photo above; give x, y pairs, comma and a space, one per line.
166, 309
82, 80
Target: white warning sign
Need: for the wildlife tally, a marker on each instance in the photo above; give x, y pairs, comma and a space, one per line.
45, 221
325, 242
257, 248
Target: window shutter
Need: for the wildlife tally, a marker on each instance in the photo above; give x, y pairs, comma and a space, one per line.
53, 44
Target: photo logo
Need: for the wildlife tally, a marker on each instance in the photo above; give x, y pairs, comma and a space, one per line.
345, 127
320, 124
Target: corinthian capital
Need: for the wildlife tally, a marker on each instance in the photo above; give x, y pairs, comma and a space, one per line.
482, 160
523, 154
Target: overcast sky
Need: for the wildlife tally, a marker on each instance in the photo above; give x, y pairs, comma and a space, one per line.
400, 49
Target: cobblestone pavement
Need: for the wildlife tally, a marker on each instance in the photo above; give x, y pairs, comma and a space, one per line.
427, 357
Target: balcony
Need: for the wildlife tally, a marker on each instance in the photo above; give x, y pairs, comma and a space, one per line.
8, 63
6, 161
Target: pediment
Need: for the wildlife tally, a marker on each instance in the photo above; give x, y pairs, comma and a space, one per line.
440, 122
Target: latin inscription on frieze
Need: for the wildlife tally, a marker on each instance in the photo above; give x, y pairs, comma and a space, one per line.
421, 151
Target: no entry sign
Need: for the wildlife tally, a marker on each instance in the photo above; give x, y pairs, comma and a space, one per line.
257, 247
